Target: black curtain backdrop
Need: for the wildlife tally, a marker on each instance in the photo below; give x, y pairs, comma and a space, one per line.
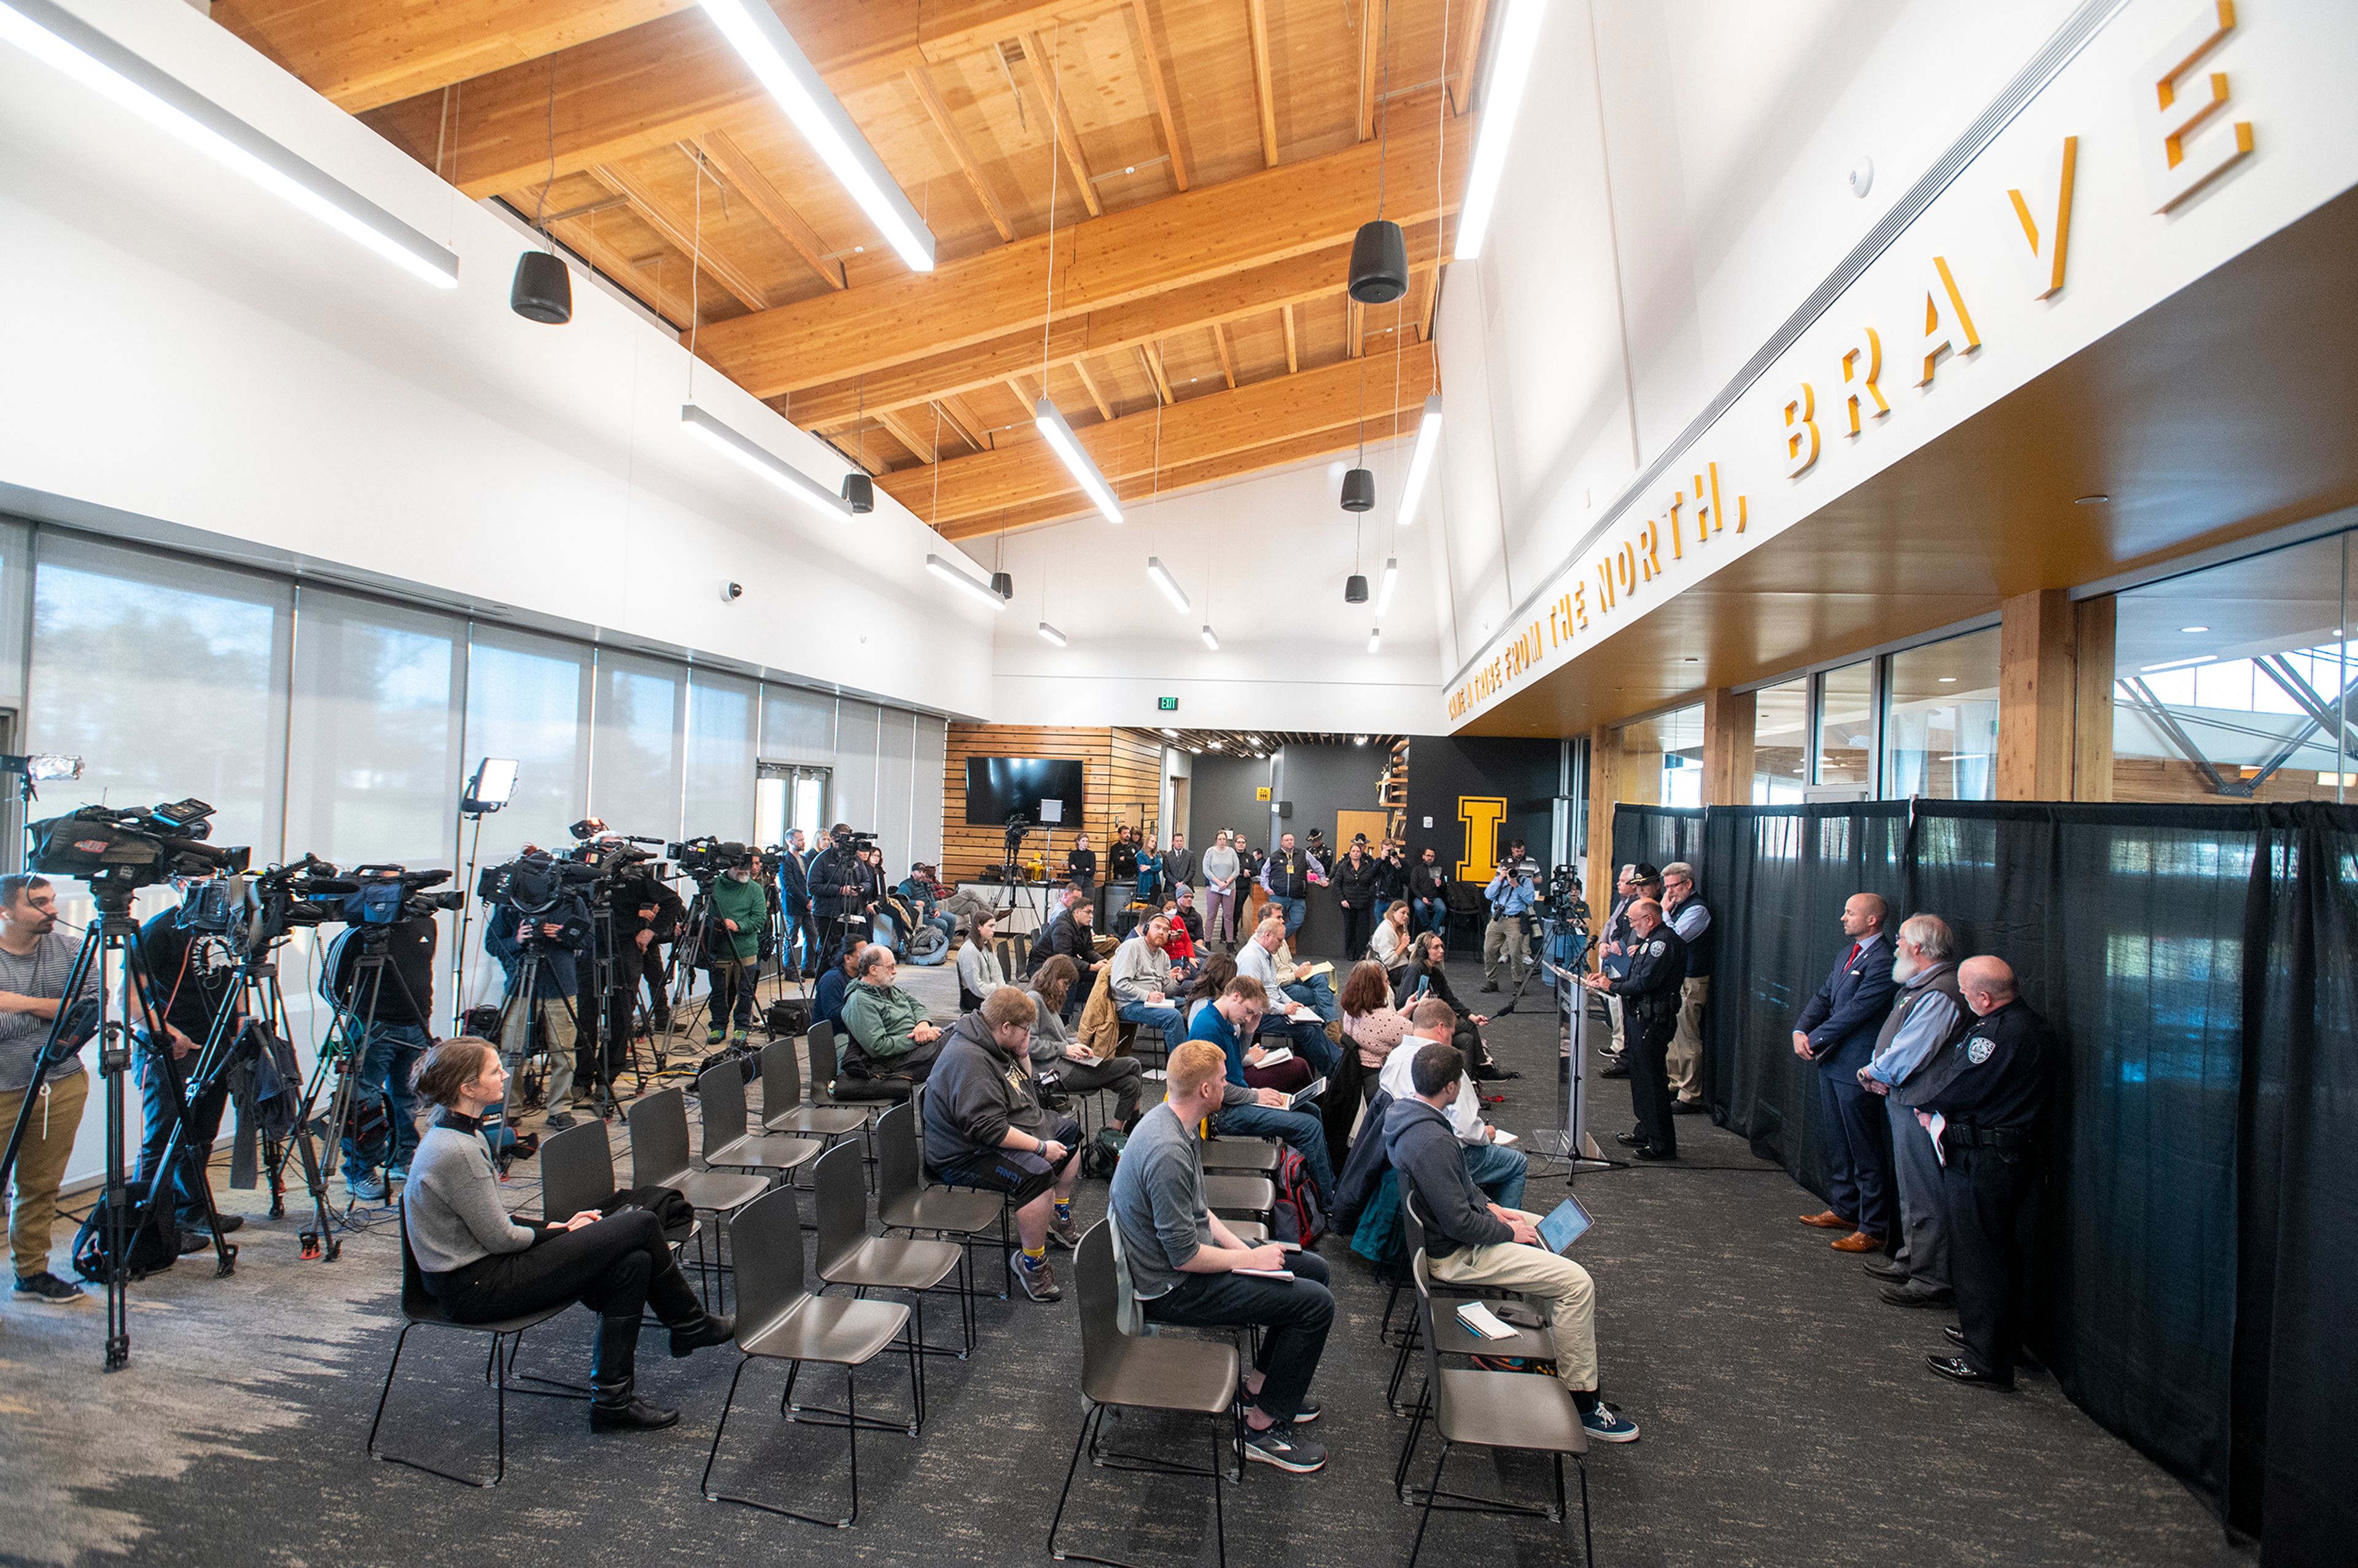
2192, 1238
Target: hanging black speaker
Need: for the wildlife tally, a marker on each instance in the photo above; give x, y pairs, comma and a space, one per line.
1379, 263
1356, 590
860, 491
542, 291
1003, 584
1360, 491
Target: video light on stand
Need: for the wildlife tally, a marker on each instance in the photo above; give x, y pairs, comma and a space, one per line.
56, 37
493, 786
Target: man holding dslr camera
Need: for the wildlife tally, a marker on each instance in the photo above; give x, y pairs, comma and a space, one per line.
1512, 894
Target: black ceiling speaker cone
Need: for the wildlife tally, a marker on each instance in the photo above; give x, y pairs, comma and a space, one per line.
542, 290
1356, 590
1360, 491
1003, 584
1379, 263
860, 491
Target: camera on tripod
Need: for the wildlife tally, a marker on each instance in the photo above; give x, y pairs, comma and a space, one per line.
389, 894
121, 850
535, 885
707, 856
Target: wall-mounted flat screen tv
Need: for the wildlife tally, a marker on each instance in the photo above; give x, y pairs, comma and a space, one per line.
1045, 789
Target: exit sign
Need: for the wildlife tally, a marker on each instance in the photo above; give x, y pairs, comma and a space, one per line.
1167, 704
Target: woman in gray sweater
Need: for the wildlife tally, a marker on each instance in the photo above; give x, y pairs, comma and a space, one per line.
977, 966
482, 1264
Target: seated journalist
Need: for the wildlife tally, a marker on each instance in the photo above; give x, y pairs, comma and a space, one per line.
985, 1129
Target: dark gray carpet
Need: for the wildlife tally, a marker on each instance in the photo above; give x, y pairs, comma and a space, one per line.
1787, 1419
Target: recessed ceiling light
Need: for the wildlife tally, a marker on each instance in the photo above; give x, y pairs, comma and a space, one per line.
2194, 627
1948, 680
2096, 500
1129, 168
1171, 734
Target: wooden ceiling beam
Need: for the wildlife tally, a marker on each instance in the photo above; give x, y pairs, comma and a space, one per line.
1264, 92
582, 236
1466, 53
1228, 360
765, 198
680, 236
1219, 423
1198, 237
1096, 394
921, 443
1043, 72
674, 79
1292, 346
961, 418
921, 82
359, 54
1152, 354
1354, 328
1370, 64
1431, 298
1149, 64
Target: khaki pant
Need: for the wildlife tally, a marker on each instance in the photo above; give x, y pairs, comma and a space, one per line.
1613, 1013
557, 1031
40, 1165
1563, 1284
1506, 935
1686, 1045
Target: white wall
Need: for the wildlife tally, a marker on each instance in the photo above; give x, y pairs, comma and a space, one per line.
190, 348
1264, 561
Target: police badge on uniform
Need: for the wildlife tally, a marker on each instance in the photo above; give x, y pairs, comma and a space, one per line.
1654, 949
1978, 1048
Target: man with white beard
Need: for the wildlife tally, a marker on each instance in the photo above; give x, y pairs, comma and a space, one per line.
1928, 1017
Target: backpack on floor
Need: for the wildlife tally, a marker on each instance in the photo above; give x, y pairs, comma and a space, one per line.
787, 1017
1297, 1217
1100, 1154
155, 1247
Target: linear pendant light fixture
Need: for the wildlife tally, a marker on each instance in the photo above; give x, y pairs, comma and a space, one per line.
1059, 435
778, 62
1050, 635
1162, 579
1384, 588
1420, 461
1375, 639
1502, 97
1211, 638
942, 568
699, 423
58, 38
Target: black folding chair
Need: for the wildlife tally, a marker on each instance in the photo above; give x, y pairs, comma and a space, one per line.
849, 1255
659, 1158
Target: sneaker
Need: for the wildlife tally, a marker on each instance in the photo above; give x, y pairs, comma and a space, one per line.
559, 1120
1308, 1412
713, 1037
738, 1038
1605, 1424
1038, 1282
1278, 1447
47, 1290
392, 1174
1489, 985
1065, 1232
370, 1188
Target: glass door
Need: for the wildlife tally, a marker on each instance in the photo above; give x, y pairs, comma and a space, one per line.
787, 795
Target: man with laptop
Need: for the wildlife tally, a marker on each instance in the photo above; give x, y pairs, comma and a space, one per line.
1497, 1167
1469, 1241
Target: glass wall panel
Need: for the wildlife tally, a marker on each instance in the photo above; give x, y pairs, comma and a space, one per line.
1781, 742
720, 717
380, 692
896, 754
1664, 754
168, 678
2233, 681
1940, 727
636, 772
855, 765
527, 697
1847, 726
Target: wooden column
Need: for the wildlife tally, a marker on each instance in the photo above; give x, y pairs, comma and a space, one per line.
2095, 621
1727, 721
1605, 776
2037, 684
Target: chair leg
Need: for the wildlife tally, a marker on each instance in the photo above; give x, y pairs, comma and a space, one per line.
852, 1431
1430, 1499
500, 1405
1219, 1513
1587, 1541
387, 1393
705, 1486
1080, 1441
1408, 1448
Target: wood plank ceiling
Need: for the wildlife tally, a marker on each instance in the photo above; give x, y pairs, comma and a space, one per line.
1206, 162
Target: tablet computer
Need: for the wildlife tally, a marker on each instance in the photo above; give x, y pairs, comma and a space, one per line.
1567, 1225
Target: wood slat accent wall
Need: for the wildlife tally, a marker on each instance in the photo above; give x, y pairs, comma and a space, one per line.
1120, 783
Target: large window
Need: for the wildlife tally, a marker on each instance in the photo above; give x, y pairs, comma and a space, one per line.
527, 699
1667, 752
721, 710
1939, 725
1781, 742
381, 690
1846, 727
2234, 681
636, 772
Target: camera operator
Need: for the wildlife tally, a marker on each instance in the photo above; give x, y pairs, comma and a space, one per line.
395, 1043
732, 950
797, 935
1512, 894
186, 983
841, 888
557, 932
35, 959
648, 915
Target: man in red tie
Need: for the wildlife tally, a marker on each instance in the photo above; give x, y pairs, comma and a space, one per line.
1836, 1033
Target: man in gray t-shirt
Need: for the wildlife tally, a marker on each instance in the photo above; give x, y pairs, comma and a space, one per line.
35, 960
1185, 1265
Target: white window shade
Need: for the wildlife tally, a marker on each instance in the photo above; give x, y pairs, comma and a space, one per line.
720, 759
798, 726
527, 697
380, 700
635, 764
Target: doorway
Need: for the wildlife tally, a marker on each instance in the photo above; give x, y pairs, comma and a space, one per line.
787, 795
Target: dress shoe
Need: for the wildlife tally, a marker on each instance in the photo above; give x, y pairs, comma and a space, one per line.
1628, 1140
1827, 1220
1489, 985
713, 1328
1956, 1368
1889, 1269
1954, 1335
1856, 1241
1689, 1107
1648, 1151
1615, 1068
1915, 1296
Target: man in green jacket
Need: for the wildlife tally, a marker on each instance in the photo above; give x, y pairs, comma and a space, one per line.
892, 1038
732, 950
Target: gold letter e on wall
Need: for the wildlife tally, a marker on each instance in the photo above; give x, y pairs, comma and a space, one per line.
1483, 815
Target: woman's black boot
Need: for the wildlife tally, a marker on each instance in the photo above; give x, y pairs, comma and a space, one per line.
613, 1407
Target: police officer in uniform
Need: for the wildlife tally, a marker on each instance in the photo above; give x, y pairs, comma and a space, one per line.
1995, 1085
1649, 1007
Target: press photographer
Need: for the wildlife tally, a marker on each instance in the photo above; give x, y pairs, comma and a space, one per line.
35, 959
843, 887
539, 921
738, 910
648, 917
1512, 895
189, 980
389, 1006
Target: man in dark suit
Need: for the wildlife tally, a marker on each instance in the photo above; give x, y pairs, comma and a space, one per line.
1837, 1032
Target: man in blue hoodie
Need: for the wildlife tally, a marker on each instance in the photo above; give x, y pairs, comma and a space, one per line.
1469, 1241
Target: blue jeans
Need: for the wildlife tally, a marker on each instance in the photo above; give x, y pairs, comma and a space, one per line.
155, 1129
1308, 1039
1318, 995
388, 1059
1431, 915
1293, 909
1297, 1314
1166, 1019
1300, 1130
1499, 1171
1375, 909
795, 933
